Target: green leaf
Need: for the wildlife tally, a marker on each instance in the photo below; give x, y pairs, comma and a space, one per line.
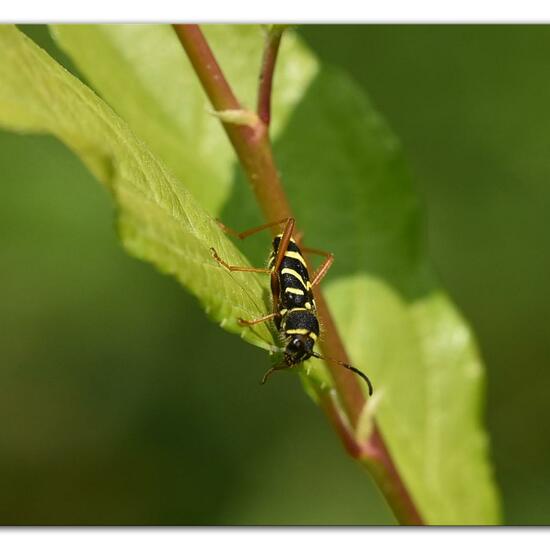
141, 71
345, 175
158, 219
398, 325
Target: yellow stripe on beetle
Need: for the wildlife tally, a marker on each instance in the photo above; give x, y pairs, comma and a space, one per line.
288, 271
302, 331
291, 290
296, 256
298, 331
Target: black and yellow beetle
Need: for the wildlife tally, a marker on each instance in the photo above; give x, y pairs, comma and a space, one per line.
294, 312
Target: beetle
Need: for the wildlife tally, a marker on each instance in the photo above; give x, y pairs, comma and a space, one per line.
294, 310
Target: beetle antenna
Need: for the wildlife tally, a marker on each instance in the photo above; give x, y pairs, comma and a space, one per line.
268, 373
349, 367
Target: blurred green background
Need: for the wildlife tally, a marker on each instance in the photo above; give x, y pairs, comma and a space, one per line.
108, 413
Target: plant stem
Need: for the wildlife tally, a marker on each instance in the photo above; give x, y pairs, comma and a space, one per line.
214, 83
251, 144
253, 148
271, 49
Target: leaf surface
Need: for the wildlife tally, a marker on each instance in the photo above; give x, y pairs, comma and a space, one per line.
397, 323
158, 218
141, 72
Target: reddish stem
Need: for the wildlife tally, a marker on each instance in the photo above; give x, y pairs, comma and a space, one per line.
254, 150
271, 49
214, 83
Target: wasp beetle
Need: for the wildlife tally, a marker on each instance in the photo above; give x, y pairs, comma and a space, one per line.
294, 312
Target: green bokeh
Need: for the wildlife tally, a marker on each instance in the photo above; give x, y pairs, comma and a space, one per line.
108, 413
